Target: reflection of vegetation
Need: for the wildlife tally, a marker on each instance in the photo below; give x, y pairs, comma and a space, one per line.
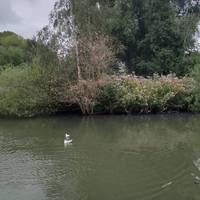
136, 132
139, 147
139, 133
147, 132
197, 163
153, 137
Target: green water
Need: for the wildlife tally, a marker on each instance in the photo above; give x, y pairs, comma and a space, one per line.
111, 158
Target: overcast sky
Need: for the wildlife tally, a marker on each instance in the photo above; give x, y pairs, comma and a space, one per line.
24, 17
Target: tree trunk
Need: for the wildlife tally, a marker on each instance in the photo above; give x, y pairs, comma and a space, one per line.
77, 60
76, 44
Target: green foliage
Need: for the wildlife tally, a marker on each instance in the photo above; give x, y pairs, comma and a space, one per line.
86, 39
90, 19
191, 61
140, 95
84, 94
109, 96
196, 72
196, 96
24, 92
12, 49
132, 94
156, 34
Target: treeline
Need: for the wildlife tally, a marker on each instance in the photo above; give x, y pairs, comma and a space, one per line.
106, 56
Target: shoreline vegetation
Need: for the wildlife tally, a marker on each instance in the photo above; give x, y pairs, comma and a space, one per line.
122, 94
115, 57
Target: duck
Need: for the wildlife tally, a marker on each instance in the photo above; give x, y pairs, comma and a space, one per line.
67, 135
67, 141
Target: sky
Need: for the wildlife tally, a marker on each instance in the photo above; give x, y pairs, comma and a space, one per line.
25, 17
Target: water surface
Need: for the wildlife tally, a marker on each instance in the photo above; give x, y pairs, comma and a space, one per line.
111, 158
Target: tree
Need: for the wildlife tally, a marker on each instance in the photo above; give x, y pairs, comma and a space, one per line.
155, 33
97, 57
188, 15
72, 22
12, 49
161, 49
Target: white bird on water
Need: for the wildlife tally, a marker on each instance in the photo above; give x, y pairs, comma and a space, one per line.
67, 139
67, 136
98, 5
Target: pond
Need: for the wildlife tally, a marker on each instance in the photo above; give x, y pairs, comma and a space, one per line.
111, 158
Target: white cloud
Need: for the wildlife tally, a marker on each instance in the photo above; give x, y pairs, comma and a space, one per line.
24, 17
7, 14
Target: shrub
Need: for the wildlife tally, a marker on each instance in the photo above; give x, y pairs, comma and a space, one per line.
32, 90
24, 92
84, 94
195, 104
96, 57
109, 96
143, 95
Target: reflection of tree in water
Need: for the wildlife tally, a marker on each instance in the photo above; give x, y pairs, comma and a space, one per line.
197, 163
159, 131
173, 138
134, 132
95, 138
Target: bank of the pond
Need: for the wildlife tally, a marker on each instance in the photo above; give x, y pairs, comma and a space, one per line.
128, 94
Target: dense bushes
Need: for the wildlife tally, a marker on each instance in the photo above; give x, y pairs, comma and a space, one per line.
28, 91
132, 94
84, 94
196, 95
24, 92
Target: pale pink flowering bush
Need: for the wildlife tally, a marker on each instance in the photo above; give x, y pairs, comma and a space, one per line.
132, 94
